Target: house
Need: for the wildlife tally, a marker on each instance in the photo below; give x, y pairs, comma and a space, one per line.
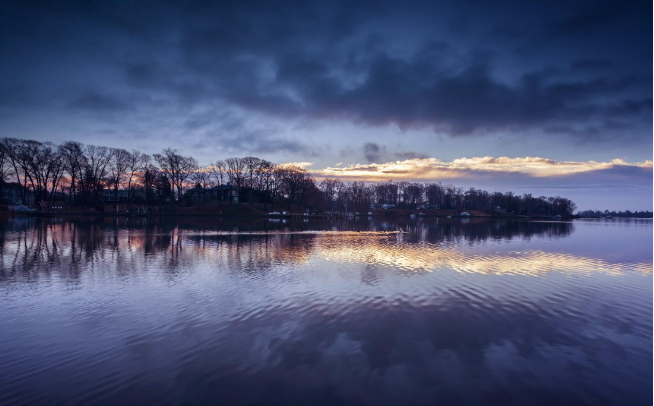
384, 206
122, 196
108, 195
10, 193
427, 206
227, 192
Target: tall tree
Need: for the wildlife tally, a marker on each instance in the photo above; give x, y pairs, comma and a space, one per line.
74, 159
201, 177
118, 169
96, 169
5, 167
18, 158
251, 166
235, 172
148, 178
178, 168
266, 175
137, 162
218, 171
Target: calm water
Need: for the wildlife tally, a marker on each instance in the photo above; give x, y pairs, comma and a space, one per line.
421, 311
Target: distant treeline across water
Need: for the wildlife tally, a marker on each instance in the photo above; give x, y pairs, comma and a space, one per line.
606, 213
79, 174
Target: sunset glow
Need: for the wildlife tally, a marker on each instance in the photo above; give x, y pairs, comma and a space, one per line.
432, 168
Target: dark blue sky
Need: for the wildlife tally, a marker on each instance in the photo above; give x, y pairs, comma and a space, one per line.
350, 83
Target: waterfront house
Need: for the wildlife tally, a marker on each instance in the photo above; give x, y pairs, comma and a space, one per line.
427, 206
384, 206
122, 196
228, 193
10, 193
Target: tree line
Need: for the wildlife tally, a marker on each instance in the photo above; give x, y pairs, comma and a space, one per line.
359, 196
81, 174
613, 213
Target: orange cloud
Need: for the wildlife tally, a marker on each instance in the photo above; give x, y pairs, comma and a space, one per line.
432, 168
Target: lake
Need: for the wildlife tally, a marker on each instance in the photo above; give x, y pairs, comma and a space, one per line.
374, 311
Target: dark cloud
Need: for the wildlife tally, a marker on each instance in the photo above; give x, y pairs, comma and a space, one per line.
594, 16
565, 68
373, 152
630, 108
93, 101
376, 153
293, 71
592, 64
234, 134
410, 155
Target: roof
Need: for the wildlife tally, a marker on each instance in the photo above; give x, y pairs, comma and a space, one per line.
11, 184
223, 187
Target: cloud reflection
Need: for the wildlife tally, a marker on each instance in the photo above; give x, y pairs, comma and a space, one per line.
404, 246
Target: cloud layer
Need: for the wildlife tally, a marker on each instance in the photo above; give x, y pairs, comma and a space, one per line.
614, 184
568, 69
339, 81
434, 169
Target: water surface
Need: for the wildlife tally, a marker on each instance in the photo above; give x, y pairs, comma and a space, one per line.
374, 311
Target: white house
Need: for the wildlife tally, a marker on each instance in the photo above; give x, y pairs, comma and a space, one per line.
10, 193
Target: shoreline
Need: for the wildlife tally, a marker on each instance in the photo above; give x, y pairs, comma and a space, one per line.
277, 216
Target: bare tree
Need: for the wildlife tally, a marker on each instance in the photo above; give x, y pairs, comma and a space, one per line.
137, 162
74, 159
18, 158
296, 184
266, 173
235, 171
331, 187
5, 166
118, 169
147, 177
251, 166
218, 171
177, 167
201, 177
96, 169
36, 165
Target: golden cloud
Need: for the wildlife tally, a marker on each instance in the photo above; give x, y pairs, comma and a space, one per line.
299, 164
432, 168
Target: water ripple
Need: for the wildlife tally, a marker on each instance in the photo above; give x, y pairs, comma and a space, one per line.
387, 313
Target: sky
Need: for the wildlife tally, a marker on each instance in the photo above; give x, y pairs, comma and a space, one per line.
548, 98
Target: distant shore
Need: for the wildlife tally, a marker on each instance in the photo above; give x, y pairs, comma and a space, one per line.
244, 211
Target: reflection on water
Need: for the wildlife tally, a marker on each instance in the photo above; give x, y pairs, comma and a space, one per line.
196, 311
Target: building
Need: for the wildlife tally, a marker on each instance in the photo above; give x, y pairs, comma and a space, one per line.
427, 206
227, 192
384, 206
10, 193
122, 196
108, 195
